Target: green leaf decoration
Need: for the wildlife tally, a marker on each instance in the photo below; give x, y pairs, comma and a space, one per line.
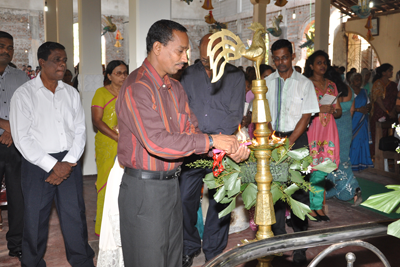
394, 229
296, 177
291, 189
228, 209
249, 195
287, 144
220, 194
232, 164
236, 188
385, 202
243, 187
226, 200
326, 166
209, 180
230, 182
295, 165
299, 153
300, 209
276, 192
209, 177
275, 155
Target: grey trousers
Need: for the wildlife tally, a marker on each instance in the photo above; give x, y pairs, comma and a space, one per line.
151, 222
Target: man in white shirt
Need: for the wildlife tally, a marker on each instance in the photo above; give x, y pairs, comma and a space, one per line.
10, 158
292, 100
48, 128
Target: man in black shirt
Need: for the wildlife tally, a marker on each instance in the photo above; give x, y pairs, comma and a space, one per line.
219, 109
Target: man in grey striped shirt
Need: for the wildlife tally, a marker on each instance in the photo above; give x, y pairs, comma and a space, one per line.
10, 158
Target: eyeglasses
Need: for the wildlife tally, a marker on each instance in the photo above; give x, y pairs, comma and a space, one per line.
277, 59
119, 73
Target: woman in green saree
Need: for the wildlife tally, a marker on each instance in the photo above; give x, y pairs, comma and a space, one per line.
104, 118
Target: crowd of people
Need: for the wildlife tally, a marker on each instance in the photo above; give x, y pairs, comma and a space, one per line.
155, 121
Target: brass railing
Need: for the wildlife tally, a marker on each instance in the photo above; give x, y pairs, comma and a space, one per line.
308, 239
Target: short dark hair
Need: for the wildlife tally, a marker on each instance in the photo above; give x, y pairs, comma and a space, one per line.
162, 31
282, 43
111, 66
6, 35
45, 49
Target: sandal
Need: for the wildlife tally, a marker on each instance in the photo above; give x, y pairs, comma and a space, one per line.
359, 199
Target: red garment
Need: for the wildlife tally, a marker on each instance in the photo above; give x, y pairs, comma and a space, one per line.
156, 127
389, 101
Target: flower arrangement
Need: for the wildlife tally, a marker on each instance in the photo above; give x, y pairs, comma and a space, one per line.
288, 168
388, 202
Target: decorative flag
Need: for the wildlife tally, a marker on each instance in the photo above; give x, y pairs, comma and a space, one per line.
118, 37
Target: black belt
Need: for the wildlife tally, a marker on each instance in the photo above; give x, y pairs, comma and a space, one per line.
282, 134
154, 175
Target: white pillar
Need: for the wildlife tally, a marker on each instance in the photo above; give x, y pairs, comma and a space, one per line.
65, 35
322, 14
50, 21
90, 70
142, 14
260, 11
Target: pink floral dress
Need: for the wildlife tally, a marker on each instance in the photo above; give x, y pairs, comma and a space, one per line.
323, 137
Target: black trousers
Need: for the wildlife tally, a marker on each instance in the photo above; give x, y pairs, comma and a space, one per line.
300, 195
215, 236
150, 222
10, 165
68, 197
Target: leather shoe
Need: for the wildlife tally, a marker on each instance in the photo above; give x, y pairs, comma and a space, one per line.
187, 260
15, 254
299, 257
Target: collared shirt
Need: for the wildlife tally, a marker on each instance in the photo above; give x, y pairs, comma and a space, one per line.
296, 96
11, 79
218, 106
156, 127
43, 123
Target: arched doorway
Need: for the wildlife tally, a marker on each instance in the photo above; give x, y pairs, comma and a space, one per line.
360, 53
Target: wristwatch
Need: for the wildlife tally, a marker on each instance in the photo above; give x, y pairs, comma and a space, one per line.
210, 139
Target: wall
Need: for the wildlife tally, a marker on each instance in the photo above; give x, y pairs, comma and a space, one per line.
387, 44
28, 38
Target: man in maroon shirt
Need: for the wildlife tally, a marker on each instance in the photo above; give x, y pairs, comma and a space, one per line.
157, 130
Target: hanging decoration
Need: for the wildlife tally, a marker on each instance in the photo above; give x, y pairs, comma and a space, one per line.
218, 26
368, 26
362, 10
118, 37
276, 30
207, 5
187, 1
310, 40
110, 26
281, 3
210, 18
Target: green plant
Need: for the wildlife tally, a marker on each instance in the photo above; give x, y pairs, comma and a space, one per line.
388, 202
287, 167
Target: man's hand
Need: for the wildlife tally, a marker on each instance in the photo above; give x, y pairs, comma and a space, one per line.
53, 179
327, 109
63, 169
363, 110
246, 120
241, 154
227, 143
6, 139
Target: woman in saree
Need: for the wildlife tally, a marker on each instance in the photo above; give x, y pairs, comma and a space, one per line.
359, 152
343, 185
323, 137
383, 99
104, 118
